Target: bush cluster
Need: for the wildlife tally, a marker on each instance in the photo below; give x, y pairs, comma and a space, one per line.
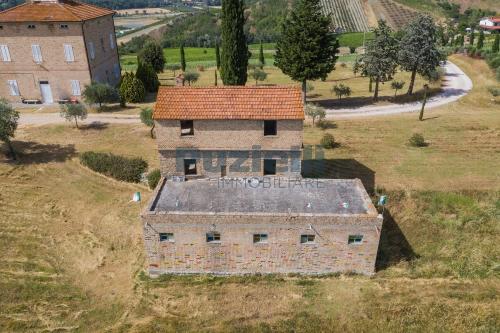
417, 140
154, 178
117, 167
328, 141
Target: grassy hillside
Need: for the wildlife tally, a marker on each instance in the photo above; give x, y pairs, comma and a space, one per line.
432, 5
71, 252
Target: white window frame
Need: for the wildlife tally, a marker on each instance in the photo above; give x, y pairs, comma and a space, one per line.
91, 50
69, 55
75, 88
111, 40
37, 53
13, 87
4, 51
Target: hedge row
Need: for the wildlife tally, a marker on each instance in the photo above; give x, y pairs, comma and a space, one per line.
117, 167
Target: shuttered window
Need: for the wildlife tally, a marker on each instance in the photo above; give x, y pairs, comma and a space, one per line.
68, 53
4, 51
37, 53
75, 88
91, 50
111, 41
13, 87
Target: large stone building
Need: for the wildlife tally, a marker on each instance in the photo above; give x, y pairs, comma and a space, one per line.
232, 199
51, 49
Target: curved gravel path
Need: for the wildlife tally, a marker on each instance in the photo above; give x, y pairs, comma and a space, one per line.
456, 84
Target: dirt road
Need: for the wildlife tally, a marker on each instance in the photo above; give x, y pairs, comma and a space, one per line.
456, 84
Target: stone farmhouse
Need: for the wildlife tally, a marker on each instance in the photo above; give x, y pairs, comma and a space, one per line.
51, 49
232, 199
490, 24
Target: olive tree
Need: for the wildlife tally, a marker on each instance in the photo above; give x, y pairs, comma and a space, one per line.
8, 124
74, 112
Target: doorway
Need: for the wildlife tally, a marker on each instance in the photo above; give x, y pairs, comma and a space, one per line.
46, 92
190, 167
223, 171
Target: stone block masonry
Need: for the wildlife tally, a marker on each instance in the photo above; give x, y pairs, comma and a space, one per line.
187, 251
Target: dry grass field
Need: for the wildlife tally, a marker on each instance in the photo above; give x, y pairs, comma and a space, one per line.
71, 252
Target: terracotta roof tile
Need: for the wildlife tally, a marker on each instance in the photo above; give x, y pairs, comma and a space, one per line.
257, 103
61, 11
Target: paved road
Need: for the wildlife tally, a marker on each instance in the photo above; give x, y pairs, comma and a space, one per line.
456, 84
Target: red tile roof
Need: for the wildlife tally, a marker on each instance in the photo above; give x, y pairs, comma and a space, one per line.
231, 102
60, 11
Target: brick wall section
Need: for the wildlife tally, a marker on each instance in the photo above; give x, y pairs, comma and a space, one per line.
236, 138
54, 67
102, 67
237, 254
238, 163
229, 134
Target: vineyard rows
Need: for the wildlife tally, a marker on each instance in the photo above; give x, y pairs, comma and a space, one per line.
347, 15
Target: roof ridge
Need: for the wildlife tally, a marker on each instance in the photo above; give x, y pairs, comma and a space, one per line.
89, 5
11, 8
69, 11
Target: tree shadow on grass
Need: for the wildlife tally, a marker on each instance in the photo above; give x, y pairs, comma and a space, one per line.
339, 169
95, 125
393, 247
29, 152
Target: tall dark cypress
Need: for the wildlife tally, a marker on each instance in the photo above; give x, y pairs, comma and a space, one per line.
217, 54
234, 60
183, 58
262, 59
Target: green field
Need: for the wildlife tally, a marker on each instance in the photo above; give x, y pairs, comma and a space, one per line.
198, 56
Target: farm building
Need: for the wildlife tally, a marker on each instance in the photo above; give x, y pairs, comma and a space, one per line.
232, 199
50, 49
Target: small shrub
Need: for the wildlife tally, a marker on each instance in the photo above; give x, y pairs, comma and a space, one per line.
328, 141
117, 167
132, 89
352, 49
495, 92
498, 74
417, 140
154, 178
325, 124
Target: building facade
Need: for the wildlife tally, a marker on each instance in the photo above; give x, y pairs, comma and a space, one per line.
251, 213
215, 132
51, 49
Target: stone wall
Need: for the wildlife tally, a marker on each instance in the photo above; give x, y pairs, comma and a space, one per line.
54, 68
99, 31
238, 163
283, 253
230, 134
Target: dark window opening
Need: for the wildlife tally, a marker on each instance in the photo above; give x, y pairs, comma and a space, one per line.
270, 127
102, 45
304, 239
1, 27
355, 239
269, 167
260, 238
187, 127
223, 171
190, 167
166, 237
64, 26
213, 237
31, 26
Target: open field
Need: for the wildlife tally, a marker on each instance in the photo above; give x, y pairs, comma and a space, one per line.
71, 250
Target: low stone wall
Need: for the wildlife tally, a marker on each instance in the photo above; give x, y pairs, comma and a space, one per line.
236, 253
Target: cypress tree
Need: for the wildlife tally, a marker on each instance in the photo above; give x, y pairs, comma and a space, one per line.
217, 54
183, 58
234, 60
496, 44
307, 49
146, 73
480, 42
472, 38
153, 53
262, 60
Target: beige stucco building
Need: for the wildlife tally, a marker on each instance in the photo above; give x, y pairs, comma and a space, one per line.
51, 49
232, 199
